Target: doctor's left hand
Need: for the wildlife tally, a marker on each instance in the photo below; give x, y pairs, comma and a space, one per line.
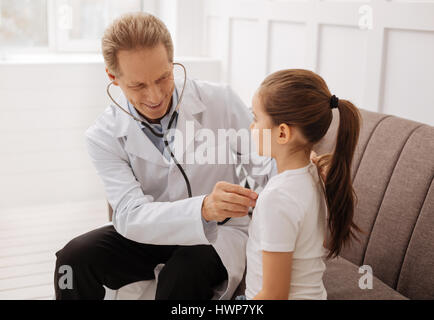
227, 200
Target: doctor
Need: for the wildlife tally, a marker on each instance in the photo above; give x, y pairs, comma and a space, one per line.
154, 219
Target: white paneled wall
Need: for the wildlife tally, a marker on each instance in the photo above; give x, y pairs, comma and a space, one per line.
242, 71
378, 54
408, 84
45, 108
339, 48
281, 53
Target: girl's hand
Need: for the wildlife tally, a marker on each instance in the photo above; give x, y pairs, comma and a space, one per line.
322, 162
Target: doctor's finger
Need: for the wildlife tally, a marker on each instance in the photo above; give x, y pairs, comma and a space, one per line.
233, 214
234, 208
234, 188
238, 199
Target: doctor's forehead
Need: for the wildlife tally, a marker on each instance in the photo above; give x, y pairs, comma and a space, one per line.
148, 78
144, 65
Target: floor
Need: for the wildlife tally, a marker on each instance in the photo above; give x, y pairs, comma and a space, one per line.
29, 239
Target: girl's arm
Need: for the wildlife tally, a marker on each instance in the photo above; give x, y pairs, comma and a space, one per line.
276, 280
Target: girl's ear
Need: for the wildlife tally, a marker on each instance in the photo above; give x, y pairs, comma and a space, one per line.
284, 133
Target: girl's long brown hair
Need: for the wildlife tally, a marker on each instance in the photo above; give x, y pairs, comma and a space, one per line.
301, 98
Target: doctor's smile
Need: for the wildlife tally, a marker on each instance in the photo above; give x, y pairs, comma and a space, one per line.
152, 106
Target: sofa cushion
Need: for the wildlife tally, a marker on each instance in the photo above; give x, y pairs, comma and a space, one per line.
416, 279
341, 280
401, 205
372, 179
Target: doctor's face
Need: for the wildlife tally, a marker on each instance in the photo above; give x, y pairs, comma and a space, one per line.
146, 79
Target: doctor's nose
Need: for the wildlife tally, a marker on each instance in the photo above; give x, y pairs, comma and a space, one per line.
153, 95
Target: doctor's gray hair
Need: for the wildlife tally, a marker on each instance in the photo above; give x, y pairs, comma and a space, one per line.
132, 31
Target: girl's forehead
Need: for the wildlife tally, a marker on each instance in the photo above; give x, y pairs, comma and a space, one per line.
256, 103
255, 100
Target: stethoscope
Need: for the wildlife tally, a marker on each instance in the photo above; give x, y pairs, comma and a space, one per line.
164, 135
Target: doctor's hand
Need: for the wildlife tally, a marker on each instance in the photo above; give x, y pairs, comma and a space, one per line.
227, 200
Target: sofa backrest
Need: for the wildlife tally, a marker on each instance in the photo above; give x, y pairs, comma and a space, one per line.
392, 175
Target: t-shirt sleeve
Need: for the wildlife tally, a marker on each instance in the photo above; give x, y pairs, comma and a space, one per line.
279, 222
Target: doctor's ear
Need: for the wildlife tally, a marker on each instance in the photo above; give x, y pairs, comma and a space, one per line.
111, 77
283, 133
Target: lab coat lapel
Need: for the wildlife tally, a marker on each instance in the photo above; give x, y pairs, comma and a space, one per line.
189, 119
137, 142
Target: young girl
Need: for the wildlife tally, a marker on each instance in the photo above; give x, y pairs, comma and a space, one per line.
286, 236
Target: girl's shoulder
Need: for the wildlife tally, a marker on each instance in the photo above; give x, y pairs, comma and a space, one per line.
299, 185
275, 199
292, 194
276, 209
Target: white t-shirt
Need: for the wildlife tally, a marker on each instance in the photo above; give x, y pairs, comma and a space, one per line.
290, 215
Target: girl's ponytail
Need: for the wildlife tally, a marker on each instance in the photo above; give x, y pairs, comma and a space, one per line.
339, 191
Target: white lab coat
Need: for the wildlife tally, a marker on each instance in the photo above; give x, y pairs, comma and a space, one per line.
150, 203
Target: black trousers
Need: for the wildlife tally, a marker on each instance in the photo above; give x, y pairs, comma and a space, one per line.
104, 257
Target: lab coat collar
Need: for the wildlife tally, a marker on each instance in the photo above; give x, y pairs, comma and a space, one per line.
139, 144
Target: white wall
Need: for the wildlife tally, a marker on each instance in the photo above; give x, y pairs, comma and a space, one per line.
45, 108
184, 19
389, 68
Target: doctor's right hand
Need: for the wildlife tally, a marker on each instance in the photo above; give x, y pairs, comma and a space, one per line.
227, 200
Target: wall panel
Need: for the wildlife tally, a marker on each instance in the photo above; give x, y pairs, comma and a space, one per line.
371, 52
342, 55
287, 47
408, 83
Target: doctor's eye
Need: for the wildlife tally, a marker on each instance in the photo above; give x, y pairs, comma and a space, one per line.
136, 87
163, 79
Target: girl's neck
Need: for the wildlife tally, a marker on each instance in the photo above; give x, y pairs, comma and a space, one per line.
291, 160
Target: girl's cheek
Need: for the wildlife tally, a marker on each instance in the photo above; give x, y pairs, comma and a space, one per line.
266, 143
255, 135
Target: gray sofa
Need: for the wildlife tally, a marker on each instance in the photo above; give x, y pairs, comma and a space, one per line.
393, 177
